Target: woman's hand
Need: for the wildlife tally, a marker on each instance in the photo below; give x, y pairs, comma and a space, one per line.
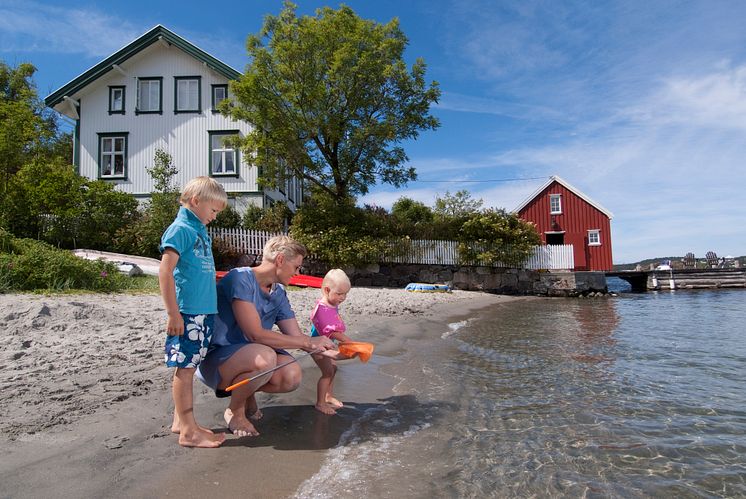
322, 343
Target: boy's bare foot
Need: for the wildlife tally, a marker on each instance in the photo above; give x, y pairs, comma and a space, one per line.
239, 425
175, 425
252, 409
201, 438
326, 408
334, 402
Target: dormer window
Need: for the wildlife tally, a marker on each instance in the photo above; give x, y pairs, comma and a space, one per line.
555, 204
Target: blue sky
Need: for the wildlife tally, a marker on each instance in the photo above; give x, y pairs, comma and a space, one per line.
639, 104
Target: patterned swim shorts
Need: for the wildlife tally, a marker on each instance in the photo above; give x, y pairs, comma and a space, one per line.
190, 348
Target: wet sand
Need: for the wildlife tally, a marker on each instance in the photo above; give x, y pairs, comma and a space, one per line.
85, 400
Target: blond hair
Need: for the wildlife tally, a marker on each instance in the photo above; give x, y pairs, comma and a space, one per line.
335, 277
285, 245
204, 189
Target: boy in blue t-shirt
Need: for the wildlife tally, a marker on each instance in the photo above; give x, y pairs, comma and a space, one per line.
187, 281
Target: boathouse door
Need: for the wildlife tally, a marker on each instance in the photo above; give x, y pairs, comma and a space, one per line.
555, 237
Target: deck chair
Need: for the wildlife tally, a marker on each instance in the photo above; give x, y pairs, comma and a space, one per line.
712, 259
689, 261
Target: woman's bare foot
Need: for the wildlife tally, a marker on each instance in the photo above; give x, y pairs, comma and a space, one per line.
252, 409
201, 438
239, 425
326, 408
334, 402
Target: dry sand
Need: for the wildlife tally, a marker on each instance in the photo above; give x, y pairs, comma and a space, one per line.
85, 398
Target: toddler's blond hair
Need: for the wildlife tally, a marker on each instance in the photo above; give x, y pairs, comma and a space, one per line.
204, 189
335, 277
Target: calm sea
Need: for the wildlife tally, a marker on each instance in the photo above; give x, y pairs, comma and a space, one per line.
642, 395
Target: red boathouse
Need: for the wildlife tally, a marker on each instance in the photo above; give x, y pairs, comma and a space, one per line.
564, 215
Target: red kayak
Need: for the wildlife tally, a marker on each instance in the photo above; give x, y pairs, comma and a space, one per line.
300, 280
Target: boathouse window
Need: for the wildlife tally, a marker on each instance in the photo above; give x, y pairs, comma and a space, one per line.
187, 93
116, 100
223, 157
112, 155
555, 204
594, 237
149, 95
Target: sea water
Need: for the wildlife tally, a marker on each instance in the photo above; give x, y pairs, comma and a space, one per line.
641, 395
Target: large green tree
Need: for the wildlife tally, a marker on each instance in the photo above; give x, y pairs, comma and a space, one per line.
25, 127
332, 100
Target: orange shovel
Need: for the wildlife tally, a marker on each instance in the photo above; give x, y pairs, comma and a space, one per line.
359, 349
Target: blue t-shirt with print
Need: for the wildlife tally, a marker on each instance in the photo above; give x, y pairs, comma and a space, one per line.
195, 271
241, 284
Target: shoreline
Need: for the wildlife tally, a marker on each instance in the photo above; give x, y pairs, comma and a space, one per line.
85, 405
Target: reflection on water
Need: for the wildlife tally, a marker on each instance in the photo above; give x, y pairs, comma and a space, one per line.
637, 396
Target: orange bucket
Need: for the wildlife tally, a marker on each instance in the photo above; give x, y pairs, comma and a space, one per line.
358, 349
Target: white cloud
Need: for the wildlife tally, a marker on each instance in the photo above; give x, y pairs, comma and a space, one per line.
34, 27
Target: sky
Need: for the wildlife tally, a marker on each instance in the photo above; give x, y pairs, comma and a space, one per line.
641, 105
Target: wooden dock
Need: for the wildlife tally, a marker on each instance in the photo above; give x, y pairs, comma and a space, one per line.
649, 280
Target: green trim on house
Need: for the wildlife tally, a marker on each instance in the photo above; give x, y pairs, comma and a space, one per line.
76, 143
159, 79
154, 35
103, 135
112, 88
177, 79
237, 160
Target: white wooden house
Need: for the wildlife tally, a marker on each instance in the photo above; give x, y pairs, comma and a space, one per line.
160, 92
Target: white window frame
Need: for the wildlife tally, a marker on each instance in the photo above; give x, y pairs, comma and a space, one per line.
117, 148
223, 151
594, 237
113, 90
187, 88
154, 89
217, 100
555, 199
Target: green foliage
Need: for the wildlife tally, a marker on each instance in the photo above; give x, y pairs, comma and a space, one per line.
497, 236
25, 125
229, 218
459, 205
251, 217
163, 172
49, 201
332, 99
339, 234
28, 265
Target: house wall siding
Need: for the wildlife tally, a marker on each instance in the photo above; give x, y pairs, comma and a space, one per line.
184, 136
577, 217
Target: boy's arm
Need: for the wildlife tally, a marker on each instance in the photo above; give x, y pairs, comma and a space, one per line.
174, 324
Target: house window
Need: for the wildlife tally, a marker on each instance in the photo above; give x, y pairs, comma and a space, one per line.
219, 94
116, 100
555, 204
594, 237
112, 155
223, 157
149, 95
187, 94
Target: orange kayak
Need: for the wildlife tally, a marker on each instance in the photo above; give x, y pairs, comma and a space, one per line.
300, 280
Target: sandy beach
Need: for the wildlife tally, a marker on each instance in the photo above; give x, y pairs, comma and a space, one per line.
85, 401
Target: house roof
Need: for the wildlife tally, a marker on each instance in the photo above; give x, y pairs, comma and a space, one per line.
555, 178
158, 33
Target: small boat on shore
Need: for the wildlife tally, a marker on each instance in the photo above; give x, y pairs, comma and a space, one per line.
129, 264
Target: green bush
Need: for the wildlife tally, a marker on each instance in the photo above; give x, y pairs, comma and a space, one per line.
497, 236
28, 265
229, 218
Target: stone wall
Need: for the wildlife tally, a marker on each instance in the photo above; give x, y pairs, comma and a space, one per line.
491, 280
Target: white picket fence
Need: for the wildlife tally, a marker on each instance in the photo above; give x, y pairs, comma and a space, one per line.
422, 252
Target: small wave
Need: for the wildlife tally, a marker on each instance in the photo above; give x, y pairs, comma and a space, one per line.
364, 452
454, 327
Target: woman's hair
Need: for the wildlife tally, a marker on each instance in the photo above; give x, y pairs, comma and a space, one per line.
204, 189
285, 245
335, 277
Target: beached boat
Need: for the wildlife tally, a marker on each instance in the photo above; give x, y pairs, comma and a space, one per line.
300, 280
422, 287
129, 264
